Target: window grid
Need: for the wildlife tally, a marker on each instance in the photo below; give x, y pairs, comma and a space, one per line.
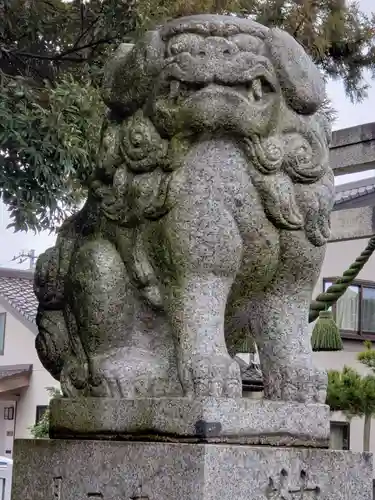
9, 413
359, 332
40, 411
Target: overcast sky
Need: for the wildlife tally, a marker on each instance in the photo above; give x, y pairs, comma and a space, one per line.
348, 115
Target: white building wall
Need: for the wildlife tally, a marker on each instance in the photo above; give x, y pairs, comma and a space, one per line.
339, 256
19, 349
6, 430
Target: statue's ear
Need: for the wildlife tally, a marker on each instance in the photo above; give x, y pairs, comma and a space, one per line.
300, 79
129, 73
111, 69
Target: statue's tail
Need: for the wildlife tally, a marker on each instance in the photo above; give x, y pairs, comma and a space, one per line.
53, 342
326, 299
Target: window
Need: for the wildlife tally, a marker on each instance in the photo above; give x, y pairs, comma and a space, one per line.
9, 413
354, 312
2, 332
340, 436
40, 411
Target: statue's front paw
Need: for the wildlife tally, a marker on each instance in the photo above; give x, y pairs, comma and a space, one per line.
132, 373
296, 382
215, 375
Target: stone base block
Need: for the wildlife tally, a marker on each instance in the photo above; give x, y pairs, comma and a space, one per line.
242, 421
109, 470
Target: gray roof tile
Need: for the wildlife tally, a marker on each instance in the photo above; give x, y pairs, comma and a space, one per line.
7, 371
354, 190
16, 287
352, 194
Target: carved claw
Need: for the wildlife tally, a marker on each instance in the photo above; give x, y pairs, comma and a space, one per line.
216, 375
125, 375
295, 382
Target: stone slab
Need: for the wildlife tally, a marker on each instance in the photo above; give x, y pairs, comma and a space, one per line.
242, 420
109, 470
353, 149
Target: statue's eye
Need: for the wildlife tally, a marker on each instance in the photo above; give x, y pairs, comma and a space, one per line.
248, 43
175, 49
303, 149
187, 42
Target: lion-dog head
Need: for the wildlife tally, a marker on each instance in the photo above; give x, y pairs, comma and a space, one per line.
211, 74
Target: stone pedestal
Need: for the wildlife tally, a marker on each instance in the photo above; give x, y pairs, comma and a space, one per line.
109, 470
213, 420
181, 449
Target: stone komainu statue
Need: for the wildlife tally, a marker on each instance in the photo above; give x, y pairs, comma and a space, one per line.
209, 211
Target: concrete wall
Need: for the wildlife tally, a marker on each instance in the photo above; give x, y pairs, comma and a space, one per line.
20, 349
353, 223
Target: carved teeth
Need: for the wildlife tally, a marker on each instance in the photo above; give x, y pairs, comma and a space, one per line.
257, 89
250, 95
177, 89
174, 89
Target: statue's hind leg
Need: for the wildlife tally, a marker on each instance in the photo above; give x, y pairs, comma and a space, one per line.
128, 346
279, 319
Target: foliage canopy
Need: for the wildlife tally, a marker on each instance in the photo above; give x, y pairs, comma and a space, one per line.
351, 393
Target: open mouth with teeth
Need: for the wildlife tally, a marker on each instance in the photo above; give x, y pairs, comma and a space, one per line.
257, 91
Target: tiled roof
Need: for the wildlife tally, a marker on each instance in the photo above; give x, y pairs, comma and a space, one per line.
252, 378
354, 190
14, 370
16, 287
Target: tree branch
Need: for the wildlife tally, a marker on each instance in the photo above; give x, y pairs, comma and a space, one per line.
64, 56
41, 57
89, 27
9, 54
82, 14
54, 7
86, 46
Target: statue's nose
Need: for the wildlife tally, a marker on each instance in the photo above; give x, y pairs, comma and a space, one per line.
216, 47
